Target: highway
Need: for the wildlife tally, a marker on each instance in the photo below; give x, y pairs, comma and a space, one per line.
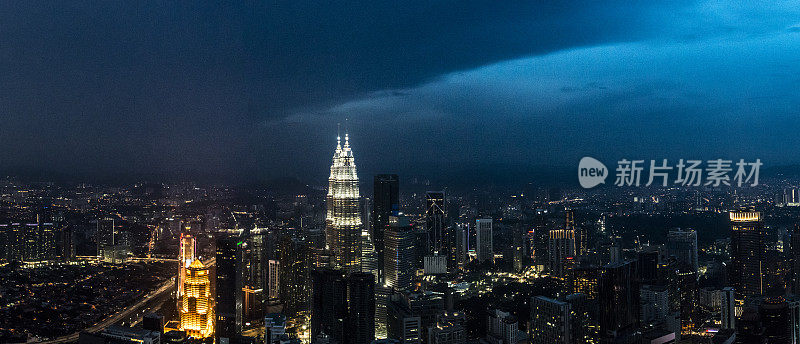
131, 314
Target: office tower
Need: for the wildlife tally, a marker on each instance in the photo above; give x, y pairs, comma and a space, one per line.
343, 220
774, 315
105, 235
196, 308
462, 244
618, 297
654, 304
550, 321
295, 260
521, 249
584, 326
153, 322
399, 254
67, 247
361, 308
502, 327
386, 202
435, 224
187, 247
683, 245
647, 264
580, 234
483, 242
229, 284
382, 295
561, 247
329, 304
747, 253
448, 329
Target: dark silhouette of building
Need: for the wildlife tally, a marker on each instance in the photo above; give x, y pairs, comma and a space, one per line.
439, 240
228, 298
361, 308
386, 203
329, 304
618, 296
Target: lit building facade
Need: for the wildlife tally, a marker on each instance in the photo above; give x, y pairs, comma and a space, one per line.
196, 309
186, 256
343, 221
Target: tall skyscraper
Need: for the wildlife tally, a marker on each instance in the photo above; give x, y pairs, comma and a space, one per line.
747, 253
483, 243
187, 247
105, 235
683, 245
196, 310
550, 321
343, 221
386, 202
618, 296
229, 285
399, 254
361, 308
462, 244
329, 304
435, 223
560, 247
728, 309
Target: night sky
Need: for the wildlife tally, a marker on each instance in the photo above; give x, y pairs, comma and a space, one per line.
253, 90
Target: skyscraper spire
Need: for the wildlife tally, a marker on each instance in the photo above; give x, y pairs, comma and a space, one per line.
343, 221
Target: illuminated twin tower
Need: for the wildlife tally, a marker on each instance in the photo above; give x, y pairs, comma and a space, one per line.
345, 235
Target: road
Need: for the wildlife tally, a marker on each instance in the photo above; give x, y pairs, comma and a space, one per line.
131, 314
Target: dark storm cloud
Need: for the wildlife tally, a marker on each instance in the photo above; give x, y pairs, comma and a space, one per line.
114, 87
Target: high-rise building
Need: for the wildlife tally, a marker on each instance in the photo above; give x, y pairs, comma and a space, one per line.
550, 321
105, 235
618, 296
561, 247
399, 253
728, 309
462, 244
329, 304
435, 226
361, 308
343, 220
654, 300
187, 247
229, 294
196, 308
386, 203
682, 244
747, 253
483, 242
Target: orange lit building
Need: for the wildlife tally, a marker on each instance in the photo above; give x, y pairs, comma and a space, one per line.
196, 309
